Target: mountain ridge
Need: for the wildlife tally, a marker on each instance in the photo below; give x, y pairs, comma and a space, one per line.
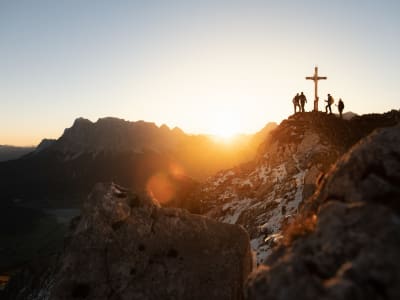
89, 152
263, 195
8, 152
344, 242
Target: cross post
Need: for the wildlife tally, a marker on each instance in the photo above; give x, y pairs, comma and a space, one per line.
315, 78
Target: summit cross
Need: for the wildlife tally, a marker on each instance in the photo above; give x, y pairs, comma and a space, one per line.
315, 78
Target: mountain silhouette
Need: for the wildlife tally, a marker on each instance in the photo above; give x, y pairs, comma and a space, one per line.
60, 173
13, 152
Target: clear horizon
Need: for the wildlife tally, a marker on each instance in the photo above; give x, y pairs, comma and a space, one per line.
212, 67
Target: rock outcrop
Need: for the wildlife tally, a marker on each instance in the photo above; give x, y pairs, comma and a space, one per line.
345, 243
127, 247
264, 194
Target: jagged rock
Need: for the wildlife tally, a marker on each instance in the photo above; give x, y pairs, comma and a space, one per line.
345, 244
264, 195
126, 247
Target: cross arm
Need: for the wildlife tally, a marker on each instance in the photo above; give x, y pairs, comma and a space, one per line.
322, 77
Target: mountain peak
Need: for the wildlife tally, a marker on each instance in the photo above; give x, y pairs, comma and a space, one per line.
110, 134
266, 193
81, 121
44, 144
345, 238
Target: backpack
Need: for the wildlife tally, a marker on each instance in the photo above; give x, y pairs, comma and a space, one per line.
330, 100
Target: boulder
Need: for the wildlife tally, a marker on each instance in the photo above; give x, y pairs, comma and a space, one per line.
345, 243
126, 247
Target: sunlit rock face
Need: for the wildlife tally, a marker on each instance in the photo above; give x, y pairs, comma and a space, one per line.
345, 242
127, 247
264, 195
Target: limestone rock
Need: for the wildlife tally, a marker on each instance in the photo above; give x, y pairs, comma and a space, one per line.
346, 242
264, 195
126, 247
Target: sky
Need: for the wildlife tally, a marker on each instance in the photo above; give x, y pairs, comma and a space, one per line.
213, 67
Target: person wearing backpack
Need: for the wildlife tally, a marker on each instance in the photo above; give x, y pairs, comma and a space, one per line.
303, 101
329, 103
340, 107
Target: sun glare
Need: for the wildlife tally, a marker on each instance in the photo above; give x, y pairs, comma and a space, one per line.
225, 133
225, 127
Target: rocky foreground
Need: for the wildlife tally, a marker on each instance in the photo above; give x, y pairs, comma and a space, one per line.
126, 247
345, 243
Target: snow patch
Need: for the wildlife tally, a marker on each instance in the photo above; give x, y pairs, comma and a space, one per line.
261, 173
298, 196
246, 182
223, 178
280, 172
234, 210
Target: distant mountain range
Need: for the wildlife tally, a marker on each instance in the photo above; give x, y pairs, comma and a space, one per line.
60, 173
13, 152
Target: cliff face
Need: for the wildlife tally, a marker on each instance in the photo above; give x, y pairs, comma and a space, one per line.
265, 194
126, 247
345, 242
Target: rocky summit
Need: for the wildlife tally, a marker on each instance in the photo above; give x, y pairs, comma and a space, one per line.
345, 243
126, 247
264, 194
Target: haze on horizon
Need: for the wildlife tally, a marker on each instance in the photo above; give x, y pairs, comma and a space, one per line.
206, 67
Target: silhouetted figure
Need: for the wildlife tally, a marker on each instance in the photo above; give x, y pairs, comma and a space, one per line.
296, 103
303, 101
340, 107
329, 103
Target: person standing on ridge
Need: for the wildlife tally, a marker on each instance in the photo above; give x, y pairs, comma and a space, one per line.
303, 101
296, 102
329, 103
340, 107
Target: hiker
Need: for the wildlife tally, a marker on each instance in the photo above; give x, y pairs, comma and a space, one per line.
340, 107
303, 101
329, 103
296, 102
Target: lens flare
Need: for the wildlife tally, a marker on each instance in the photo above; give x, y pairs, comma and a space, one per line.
161, 188
177, 171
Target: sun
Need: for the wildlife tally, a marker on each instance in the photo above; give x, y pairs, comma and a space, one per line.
225, 132
225, 127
